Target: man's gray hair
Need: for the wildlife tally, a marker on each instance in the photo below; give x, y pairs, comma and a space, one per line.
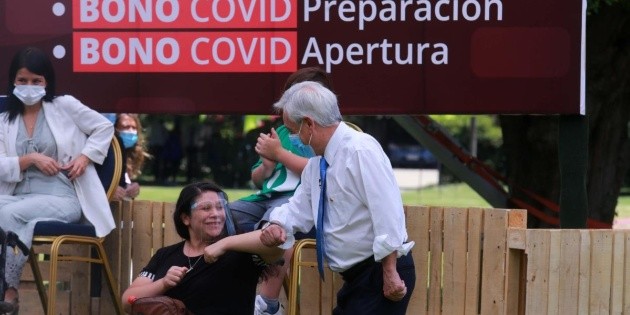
310, 99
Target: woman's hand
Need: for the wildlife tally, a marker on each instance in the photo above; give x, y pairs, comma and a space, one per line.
132, 190
76, 167
119, 194
174, 276
45, 164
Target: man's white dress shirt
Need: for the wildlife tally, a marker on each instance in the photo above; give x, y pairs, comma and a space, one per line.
364, 215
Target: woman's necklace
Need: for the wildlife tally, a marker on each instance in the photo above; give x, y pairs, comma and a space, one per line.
190, 265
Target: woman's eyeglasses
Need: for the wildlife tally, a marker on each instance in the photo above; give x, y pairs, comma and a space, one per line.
209, 205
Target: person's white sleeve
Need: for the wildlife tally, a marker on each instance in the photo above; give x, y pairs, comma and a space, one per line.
99, 129
297, 214
9, 165
377, 186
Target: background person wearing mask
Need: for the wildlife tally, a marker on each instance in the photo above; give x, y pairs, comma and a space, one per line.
129, 132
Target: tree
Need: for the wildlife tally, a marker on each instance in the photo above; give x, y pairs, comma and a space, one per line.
531, 142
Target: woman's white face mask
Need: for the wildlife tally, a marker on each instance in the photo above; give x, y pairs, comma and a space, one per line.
29, 94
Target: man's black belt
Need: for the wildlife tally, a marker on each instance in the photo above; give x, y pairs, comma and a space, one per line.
354, 271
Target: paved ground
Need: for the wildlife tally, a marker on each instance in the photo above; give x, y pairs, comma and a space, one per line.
408, 178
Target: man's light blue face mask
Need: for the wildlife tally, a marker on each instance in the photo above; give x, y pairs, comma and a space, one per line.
304, 150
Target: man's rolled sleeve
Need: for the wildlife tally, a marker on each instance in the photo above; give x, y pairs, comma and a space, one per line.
383, 247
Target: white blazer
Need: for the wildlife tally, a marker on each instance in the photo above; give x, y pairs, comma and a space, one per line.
77, 129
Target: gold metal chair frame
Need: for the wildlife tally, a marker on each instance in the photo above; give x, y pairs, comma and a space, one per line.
327, 290
296, 263
48, 302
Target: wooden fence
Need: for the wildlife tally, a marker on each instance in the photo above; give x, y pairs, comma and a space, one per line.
468, 261
576, 271
461, 261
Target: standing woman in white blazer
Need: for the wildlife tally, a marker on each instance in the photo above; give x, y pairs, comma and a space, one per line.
48, 145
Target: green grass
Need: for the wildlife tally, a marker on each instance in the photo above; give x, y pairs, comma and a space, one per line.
623, 206
456, 195
453, 195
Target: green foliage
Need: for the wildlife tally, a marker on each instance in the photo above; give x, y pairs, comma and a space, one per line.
595, 5
489, 138
488, 129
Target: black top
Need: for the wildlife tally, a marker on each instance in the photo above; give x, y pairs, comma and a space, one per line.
227, 286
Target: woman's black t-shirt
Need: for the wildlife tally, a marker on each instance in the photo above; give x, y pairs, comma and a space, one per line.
227, 286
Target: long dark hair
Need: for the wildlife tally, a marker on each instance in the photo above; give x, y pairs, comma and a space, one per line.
35, 61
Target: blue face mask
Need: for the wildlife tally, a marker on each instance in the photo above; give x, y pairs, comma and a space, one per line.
111, 117
129, 139
301, 148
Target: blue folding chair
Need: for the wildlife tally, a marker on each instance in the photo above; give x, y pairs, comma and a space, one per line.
57, 234
3, 103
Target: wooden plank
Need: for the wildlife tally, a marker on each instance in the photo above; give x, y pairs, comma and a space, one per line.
454, 288
126, 242
30, 304
327, 296
515, 266
513, 288
517, 218
141, 237
435, 269
170, 234
80, 281
568, 271
585, 271
473, 264
112, 242
601, 261
516, 238
112, 248
71, 276
112, 245
554, 274
537, 271
493, 263
309, 290
417, 222
616, 298
157, 225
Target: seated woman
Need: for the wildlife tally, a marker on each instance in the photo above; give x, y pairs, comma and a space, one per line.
222, 283
48, 145
129, 132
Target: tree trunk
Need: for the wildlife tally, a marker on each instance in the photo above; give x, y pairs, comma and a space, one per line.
530, 142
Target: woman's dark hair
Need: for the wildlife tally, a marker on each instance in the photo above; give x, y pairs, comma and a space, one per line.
187, 197
316, 74
35, 61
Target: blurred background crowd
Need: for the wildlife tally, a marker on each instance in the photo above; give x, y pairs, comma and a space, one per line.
185, 148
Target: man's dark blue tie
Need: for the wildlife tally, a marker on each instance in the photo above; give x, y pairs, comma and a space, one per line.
319, 232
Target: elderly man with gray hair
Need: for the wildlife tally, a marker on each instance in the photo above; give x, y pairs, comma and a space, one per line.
350, 195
